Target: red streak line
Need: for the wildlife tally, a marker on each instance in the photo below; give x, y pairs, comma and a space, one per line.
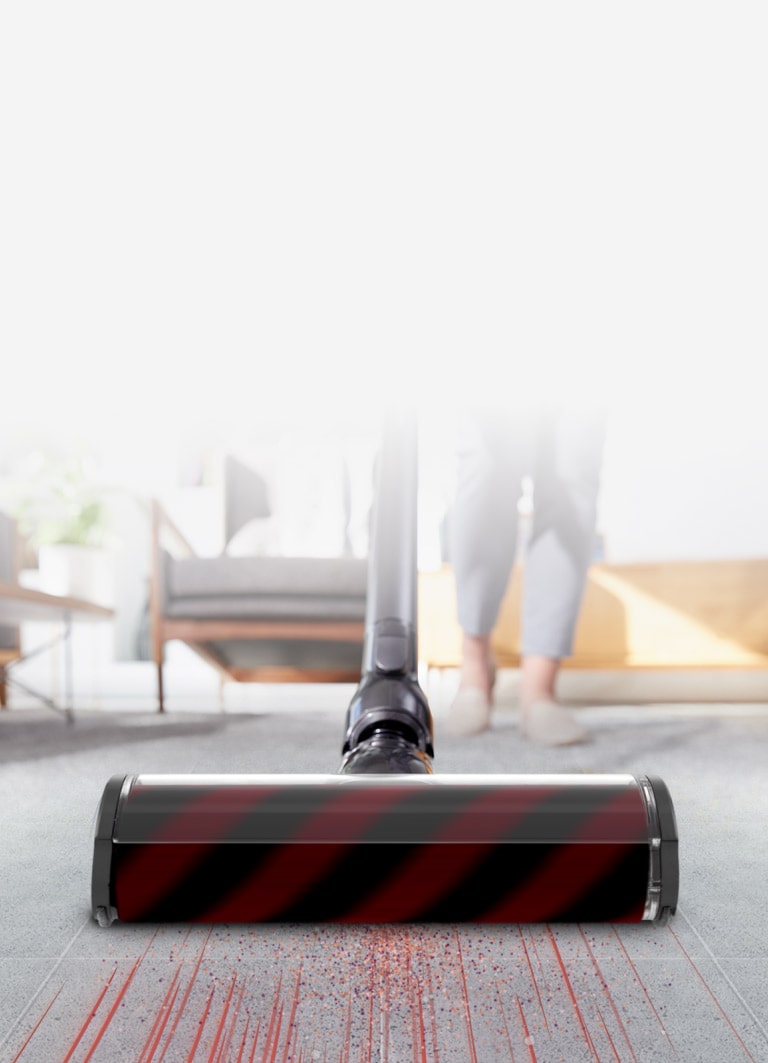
642, 986
161, 1021
255, 1041
465, 1001
386, 988
533, 977
201, 1025
224, 1053
242, 1043
273, 1057
163, 1025
538, 958
420, 1048
273, 1016
607, 1033
604, 983
288, 1039
575, 1003
292, 1016
718, 1005
88, 1021
37, 1025
504, 1020
222, 1020
113, 1009
432, 1013
528, 1038
348, 1033
369, 1047
185, 998
409, 994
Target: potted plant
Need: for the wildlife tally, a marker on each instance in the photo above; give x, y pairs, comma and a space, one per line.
62, 513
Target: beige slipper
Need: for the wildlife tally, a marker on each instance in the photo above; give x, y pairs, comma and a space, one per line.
550, 724
469, 713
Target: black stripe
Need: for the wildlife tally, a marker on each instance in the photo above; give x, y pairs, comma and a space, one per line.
620, 890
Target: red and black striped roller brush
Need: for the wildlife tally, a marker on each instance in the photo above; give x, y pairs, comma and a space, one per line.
477, 848
385, 840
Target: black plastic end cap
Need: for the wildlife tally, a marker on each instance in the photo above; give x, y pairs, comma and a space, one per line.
102, 902
670, 866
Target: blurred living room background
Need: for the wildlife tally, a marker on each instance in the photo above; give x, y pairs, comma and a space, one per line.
229, 240
676, 607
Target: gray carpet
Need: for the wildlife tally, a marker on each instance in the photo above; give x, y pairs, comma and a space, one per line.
694, 990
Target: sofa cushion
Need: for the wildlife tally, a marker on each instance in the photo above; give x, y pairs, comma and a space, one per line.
263, 587
269, 607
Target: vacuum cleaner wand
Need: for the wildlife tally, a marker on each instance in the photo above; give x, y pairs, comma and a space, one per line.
389, 724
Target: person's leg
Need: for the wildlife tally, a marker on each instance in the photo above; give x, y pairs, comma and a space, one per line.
558, 558
491, 460
538, 678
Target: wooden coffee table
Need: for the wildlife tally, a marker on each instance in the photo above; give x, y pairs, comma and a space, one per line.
17, 604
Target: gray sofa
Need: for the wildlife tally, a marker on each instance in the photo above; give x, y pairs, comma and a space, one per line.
269, 619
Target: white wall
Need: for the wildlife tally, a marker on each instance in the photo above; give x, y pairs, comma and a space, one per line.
685, 481
256, 211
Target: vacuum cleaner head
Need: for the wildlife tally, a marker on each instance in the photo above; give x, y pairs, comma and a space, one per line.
386, 848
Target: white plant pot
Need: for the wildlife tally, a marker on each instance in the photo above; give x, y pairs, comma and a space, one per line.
77, 571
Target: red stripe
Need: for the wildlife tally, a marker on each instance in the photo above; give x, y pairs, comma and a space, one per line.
572, 995
445, 860
291, 869
273, 1016
145, 876
558, 882
526, 1031
570, 870
604, 982
206, 817
201, 1025
245, 1037
534, 979
113, 1009
292, 1016
185, 999
222, 1021
622, 819
162, 1017
224, 1053
36, 1027
91, 1015
465, 1001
